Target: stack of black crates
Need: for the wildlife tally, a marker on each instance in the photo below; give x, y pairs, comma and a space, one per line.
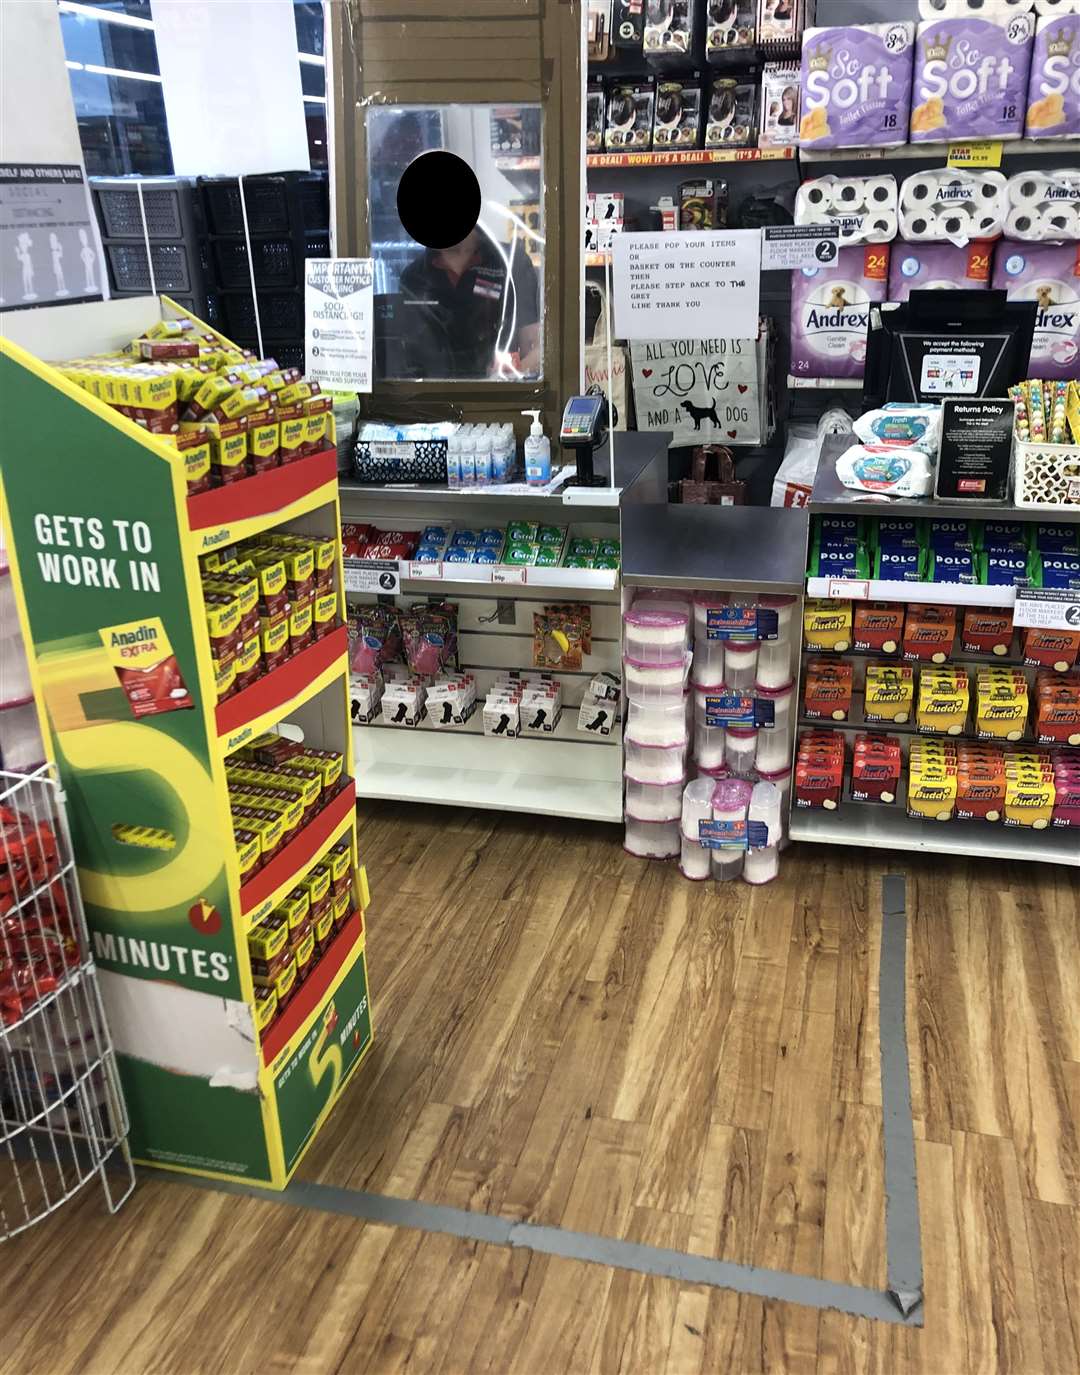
205, 266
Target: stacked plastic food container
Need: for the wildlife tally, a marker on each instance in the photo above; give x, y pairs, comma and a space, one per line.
709, 684
656, 664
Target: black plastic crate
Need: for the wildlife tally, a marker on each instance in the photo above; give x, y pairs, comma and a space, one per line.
281, 313
278, 259
176, 268
277, 203
172, 209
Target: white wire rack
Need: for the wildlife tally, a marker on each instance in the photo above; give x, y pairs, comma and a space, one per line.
62, 1117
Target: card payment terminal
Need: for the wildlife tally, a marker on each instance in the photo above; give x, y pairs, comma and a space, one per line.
584, 425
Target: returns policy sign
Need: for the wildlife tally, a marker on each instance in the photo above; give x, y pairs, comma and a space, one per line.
696, 284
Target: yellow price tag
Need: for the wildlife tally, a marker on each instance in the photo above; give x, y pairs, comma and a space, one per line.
984, 154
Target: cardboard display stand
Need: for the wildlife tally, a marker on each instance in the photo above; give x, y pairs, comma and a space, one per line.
102, 536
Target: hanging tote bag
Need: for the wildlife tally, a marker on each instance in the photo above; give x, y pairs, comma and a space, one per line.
596, 364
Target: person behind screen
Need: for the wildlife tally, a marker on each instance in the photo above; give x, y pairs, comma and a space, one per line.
471, 311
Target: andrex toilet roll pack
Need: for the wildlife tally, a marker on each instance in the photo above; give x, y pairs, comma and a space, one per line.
971, 78
830, 312
1049, 275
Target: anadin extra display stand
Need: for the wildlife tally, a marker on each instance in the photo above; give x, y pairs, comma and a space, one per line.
103, 536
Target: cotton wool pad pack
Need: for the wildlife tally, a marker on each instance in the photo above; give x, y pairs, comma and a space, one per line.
1044, 206
950, 206
864, 208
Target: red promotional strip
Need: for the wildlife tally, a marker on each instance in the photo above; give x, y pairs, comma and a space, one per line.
262, 495
279, 687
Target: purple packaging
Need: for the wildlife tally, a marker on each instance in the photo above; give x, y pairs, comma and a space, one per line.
1049, 275
856, 86
971, 78
1054, 89
830, 312
936, 267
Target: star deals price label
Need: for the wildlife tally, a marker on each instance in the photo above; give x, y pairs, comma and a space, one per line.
679, 286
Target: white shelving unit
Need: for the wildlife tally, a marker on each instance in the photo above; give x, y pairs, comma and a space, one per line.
887, 826
570, 773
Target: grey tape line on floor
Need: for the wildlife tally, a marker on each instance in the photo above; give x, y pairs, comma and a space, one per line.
580, 1246
902, 1237
900, 1303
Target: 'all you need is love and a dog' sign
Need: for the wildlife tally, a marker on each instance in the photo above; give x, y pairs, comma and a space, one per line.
702, 390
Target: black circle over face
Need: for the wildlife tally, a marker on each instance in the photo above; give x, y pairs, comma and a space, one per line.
438, 199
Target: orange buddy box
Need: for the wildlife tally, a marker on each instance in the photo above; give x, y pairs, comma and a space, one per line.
827, 691
929, 632
986, 632
877, 628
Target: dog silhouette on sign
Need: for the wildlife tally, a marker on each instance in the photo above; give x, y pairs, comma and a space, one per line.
699, 413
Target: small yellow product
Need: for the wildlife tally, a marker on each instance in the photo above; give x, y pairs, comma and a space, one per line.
266, 1002
1001, 704
826, 625
316, 883
294, 907
1029, 801
944, 699
267, 940
889, 694
932, 780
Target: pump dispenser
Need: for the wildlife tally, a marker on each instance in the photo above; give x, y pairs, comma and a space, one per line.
537, 453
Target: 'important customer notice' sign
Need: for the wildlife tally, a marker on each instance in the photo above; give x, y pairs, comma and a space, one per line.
338, 311
687, 286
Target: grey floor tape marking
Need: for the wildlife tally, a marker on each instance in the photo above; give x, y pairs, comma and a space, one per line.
582, 1246
900, 1303
903, 1241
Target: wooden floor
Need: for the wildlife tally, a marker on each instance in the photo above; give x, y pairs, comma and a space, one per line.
569, 1035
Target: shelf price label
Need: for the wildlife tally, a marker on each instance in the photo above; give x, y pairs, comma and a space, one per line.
509, 576
985, 153
849, 589
431, 571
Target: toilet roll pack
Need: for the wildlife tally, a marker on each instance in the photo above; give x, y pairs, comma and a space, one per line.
1049, 275
953, 205
937, 267
1044, 205
971, 77
856, 86
830, 311
1000, 9
1053, 109
864, 208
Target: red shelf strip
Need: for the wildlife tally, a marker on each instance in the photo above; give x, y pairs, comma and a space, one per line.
278, 688
262, 495
313, 990
297, 854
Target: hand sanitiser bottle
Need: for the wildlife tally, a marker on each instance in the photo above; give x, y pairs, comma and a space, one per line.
537, 453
